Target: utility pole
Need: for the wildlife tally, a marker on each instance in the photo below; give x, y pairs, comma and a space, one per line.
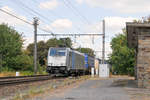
35, 23
1, 61
103, 49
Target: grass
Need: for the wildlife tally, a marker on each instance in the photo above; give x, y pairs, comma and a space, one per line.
33, 92
4, 74
9, 72
30, 94
22, 73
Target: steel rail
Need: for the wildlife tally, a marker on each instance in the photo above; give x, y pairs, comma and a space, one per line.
9, 77
5, 81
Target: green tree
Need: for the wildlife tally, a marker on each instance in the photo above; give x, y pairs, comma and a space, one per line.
122, 58
23, 63
42, 47
41, 51
10, 45
65, 42
30, 49
51, 43
62, 42
12, 56
88, 51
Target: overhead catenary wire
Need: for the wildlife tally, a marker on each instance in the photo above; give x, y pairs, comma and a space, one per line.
27, 22
37, 13
16, 17
56, 15
52, 12
30, 13
74, 12
46, 30
37, 2
69, 5
34, 11
71, 34
86, 20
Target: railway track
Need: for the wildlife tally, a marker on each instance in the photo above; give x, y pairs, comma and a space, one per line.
4, 81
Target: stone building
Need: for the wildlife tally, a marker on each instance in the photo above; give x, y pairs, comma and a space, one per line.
138, 36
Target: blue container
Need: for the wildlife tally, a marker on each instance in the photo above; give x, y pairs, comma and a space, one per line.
73, 60
86, 60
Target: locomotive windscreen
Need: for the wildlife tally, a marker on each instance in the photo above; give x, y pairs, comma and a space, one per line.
57, 52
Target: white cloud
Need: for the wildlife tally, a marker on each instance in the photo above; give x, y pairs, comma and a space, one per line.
5, 18
124, 6
80, 1
47, 28
51, 4
116, 24
27, 41
6, 8
58, 25
61, 24
93, 28
113, 24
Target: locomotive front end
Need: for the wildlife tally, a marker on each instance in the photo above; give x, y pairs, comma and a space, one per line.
57, 60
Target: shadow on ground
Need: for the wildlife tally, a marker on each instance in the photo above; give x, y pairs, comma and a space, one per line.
130, 83
131, 88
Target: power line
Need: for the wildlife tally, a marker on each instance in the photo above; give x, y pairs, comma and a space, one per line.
47, 19
85, 19
40, 14
33, 11
73, 11
15, 2
25, 21
70, 34
46, 30
53, 13
69, 5
25, 6
37, 2
15, 16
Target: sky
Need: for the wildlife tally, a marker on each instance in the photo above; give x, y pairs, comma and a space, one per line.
74, 16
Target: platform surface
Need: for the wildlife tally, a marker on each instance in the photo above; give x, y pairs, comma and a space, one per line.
94, 90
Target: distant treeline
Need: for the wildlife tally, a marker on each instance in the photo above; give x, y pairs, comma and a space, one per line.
14, 58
